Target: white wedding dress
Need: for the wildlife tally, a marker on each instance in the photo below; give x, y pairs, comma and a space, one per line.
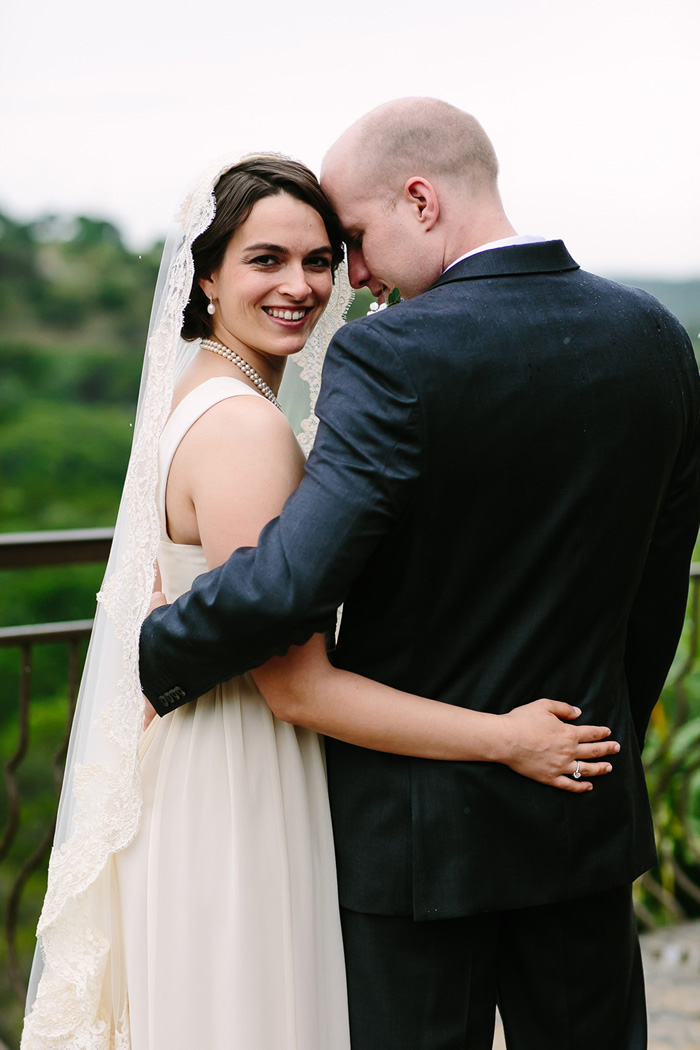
230, 925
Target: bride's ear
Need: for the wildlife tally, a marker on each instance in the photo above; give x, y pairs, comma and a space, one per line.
208, 285
421, 196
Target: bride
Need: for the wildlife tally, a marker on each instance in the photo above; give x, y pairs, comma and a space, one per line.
191, 899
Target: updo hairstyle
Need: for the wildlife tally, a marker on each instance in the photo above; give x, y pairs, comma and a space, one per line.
236, 192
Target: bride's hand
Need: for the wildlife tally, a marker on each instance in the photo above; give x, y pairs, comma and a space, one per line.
544, 747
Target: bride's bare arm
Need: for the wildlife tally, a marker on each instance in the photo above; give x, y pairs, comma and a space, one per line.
305, 689
231, 474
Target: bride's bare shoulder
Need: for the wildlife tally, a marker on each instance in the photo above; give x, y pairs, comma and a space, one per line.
242, 427
232, 473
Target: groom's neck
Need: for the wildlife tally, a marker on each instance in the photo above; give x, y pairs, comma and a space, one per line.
470, 220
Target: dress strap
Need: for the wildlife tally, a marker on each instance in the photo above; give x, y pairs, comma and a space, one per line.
185, 415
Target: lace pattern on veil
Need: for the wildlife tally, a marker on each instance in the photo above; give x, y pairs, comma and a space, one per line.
77, 980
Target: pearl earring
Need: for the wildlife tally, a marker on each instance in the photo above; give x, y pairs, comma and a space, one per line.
211, 309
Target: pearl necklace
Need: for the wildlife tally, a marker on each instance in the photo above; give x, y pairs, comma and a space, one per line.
218, 348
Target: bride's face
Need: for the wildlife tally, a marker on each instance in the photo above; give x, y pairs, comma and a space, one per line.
274, 281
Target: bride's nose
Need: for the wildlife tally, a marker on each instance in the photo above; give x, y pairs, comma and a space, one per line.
295, 282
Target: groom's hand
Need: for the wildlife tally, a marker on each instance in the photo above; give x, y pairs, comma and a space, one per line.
545, 747
149, 712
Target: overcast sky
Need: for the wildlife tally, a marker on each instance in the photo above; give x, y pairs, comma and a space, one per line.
110, 110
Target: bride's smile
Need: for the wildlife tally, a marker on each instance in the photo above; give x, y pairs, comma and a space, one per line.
283, 313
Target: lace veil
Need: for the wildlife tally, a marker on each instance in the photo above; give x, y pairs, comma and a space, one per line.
76, 993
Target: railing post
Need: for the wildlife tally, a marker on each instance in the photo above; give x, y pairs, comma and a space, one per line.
25, 691
13, 799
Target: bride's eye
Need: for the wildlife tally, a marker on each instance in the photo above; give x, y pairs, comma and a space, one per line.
265, 261
319, 262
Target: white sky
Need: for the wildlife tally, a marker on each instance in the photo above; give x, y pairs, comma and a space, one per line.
111, 110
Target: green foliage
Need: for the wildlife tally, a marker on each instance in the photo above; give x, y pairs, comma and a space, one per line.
75, 304
672, 763
62, 465
360, 304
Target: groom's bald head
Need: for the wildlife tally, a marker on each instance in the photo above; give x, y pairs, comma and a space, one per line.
414, 184
416, 136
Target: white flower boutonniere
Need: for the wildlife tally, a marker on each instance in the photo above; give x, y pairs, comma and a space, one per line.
393, 298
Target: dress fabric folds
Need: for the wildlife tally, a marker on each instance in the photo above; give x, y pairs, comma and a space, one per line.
229, 908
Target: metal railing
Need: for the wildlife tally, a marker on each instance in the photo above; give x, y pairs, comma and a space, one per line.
23, 551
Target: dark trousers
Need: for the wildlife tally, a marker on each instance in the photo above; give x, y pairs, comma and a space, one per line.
565, 976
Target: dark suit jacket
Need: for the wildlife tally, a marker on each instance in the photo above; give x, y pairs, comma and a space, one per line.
504, 492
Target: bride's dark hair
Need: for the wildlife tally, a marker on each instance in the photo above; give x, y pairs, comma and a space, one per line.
236, 192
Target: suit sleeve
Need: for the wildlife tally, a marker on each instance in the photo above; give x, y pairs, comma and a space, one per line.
657, 615
359, 478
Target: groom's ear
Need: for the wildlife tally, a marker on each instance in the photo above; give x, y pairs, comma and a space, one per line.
420, 194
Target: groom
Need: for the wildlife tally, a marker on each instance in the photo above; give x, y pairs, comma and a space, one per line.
504, 493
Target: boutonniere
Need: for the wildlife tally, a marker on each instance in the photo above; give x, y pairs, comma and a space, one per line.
393, 298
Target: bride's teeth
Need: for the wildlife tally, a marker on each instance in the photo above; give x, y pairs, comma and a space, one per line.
287, 315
